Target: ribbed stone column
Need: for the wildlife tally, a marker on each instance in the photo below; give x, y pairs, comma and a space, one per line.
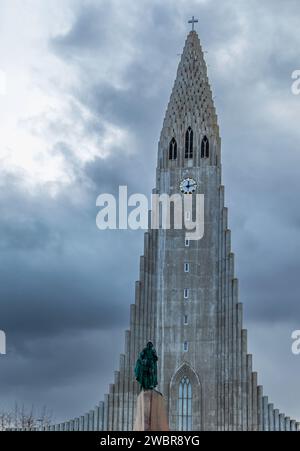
121, 393
254, 402
111, 407
287, 424
140, 310
153, 285
116, 401
220, 318
266, 413
230, 344
260, 417
91, 420
235, 289
81, 423
105, 420
281, 422
96, 418
271, 417
228, 307
101, 416
127, 377
239, 364
145, 292
276, 420
86, 422
249, 392
244, 380
222, 324
134, 342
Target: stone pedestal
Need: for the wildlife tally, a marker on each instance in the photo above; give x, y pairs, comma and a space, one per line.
151, 412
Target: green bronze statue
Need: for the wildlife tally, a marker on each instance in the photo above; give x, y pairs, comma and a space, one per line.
146, 368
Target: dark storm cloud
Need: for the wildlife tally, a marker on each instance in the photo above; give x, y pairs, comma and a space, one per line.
54, 368
64, 291
52, 256
88, 33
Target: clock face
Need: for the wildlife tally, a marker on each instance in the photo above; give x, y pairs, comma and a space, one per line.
188, 186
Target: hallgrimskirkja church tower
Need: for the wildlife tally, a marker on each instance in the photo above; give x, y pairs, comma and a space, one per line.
187, 297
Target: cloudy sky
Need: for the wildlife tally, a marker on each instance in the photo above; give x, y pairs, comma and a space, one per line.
84, 85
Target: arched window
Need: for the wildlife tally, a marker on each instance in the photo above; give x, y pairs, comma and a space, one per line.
186, 408
205, 148
185, 419
173, 150
189, 143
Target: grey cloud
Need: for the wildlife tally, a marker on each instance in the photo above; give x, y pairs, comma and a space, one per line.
89, 31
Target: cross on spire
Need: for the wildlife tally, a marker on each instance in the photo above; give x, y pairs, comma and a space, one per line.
193, 21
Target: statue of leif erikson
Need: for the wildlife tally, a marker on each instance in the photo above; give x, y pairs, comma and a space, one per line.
146, 368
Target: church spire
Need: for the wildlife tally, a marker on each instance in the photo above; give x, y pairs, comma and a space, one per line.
191, 104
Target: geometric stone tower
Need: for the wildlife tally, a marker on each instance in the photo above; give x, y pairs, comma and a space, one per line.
187, 300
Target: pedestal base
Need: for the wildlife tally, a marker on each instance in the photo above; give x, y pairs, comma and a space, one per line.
151, 412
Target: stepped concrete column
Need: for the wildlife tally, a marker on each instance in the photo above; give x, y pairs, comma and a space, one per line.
276, 420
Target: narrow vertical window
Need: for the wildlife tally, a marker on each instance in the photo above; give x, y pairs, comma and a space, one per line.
189, 143
205, 148
185, 405
187, 243
186, 267
186, 322
186, 293
185, 346
173, 149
